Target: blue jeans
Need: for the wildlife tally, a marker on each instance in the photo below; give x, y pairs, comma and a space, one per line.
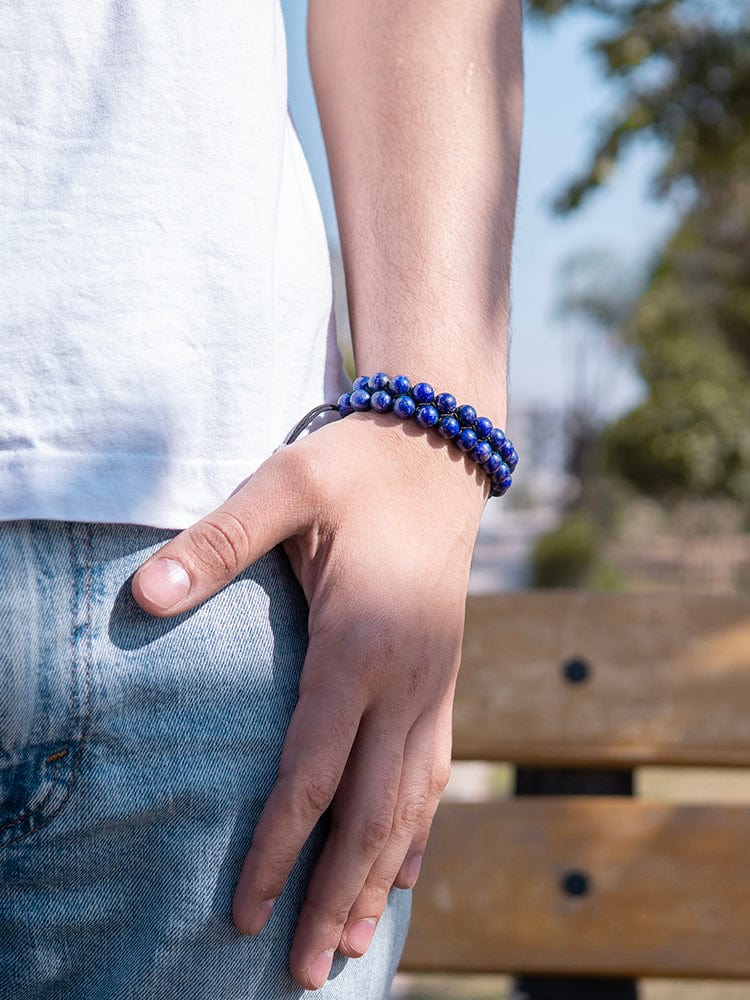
135, 757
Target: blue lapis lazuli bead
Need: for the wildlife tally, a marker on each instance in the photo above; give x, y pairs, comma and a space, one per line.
467, 439
482, 452
493, 463
483, 427
445, 402
512, 460
377, 381
423, 392
399, 385
343, 404
381, 401
506, 449
499, 487
496, 438
360, 382
404, 407
427, 416
501, 471
467, 415
359, 400
448, 427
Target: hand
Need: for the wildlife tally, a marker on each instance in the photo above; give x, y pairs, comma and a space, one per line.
379, 522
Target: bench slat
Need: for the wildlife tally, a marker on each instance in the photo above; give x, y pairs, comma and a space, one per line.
669, 681
669, 889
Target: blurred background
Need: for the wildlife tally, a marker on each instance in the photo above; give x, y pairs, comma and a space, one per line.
630, 352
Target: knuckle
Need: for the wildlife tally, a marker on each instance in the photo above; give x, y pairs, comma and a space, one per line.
317, 791
411, 811
223, 543
440, 778
372, 832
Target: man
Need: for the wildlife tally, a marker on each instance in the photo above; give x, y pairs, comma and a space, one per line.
420, 104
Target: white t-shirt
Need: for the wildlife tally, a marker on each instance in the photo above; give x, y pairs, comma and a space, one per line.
165, 287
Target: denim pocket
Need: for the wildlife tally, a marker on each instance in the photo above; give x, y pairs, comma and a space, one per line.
45, 669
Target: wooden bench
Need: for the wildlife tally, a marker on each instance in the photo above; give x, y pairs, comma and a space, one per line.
580, 684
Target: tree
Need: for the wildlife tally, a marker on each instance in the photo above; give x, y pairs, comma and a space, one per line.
680, 71
682, 75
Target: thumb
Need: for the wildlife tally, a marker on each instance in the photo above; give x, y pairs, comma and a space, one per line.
208, 555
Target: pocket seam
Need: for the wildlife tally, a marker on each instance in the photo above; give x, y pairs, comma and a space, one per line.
38, 809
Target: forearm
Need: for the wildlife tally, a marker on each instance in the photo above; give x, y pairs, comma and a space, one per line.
421, 107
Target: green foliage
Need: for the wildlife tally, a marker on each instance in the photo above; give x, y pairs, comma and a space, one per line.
691, 333
690, 437
566, 556
681, 73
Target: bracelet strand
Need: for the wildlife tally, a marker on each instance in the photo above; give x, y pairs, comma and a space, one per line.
475, 436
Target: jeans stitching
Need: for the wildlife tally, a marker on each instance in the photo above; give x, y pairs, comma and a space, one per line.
74, 699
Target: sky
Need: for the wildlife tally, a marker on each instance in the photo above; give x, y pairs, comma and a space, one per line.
564, 94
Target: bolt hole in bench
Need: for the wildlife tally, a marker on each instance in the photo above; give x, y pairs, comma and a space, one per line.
604, 875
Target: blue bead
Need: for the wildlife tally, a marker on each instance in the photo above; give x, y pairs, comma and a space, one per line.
483, 427
467, 415
377, 381
360, 383
467, 439
381, 401
493, 463
399, 385
404, 407
496, 439
512, 460
344, 405
427, 416
445, 402
506, 449
423, 392
359, 400
448, 427
482, 451
500, 486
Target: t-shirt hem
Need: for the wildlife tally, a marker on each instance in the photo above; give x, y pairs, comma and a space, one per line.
155, 491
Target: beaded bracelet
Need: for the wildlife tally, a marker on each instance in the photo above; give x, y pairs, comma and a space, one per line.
475, 436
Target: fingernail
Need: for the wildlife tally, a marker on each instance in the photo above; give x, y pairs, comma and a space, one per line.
261, 915
318, 971
164, 583
360, 934
412, 870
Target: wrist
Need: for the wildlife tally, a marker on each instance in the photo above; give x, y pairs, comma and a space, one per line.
484, 385
436, 472
439, 414
420, 409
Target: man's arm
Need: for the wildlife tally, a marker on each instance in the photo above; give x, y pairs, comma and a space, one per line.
421, 108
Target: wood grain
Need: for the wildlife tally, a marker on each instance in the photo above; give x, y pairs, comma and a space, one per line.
669, 889
669, 680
